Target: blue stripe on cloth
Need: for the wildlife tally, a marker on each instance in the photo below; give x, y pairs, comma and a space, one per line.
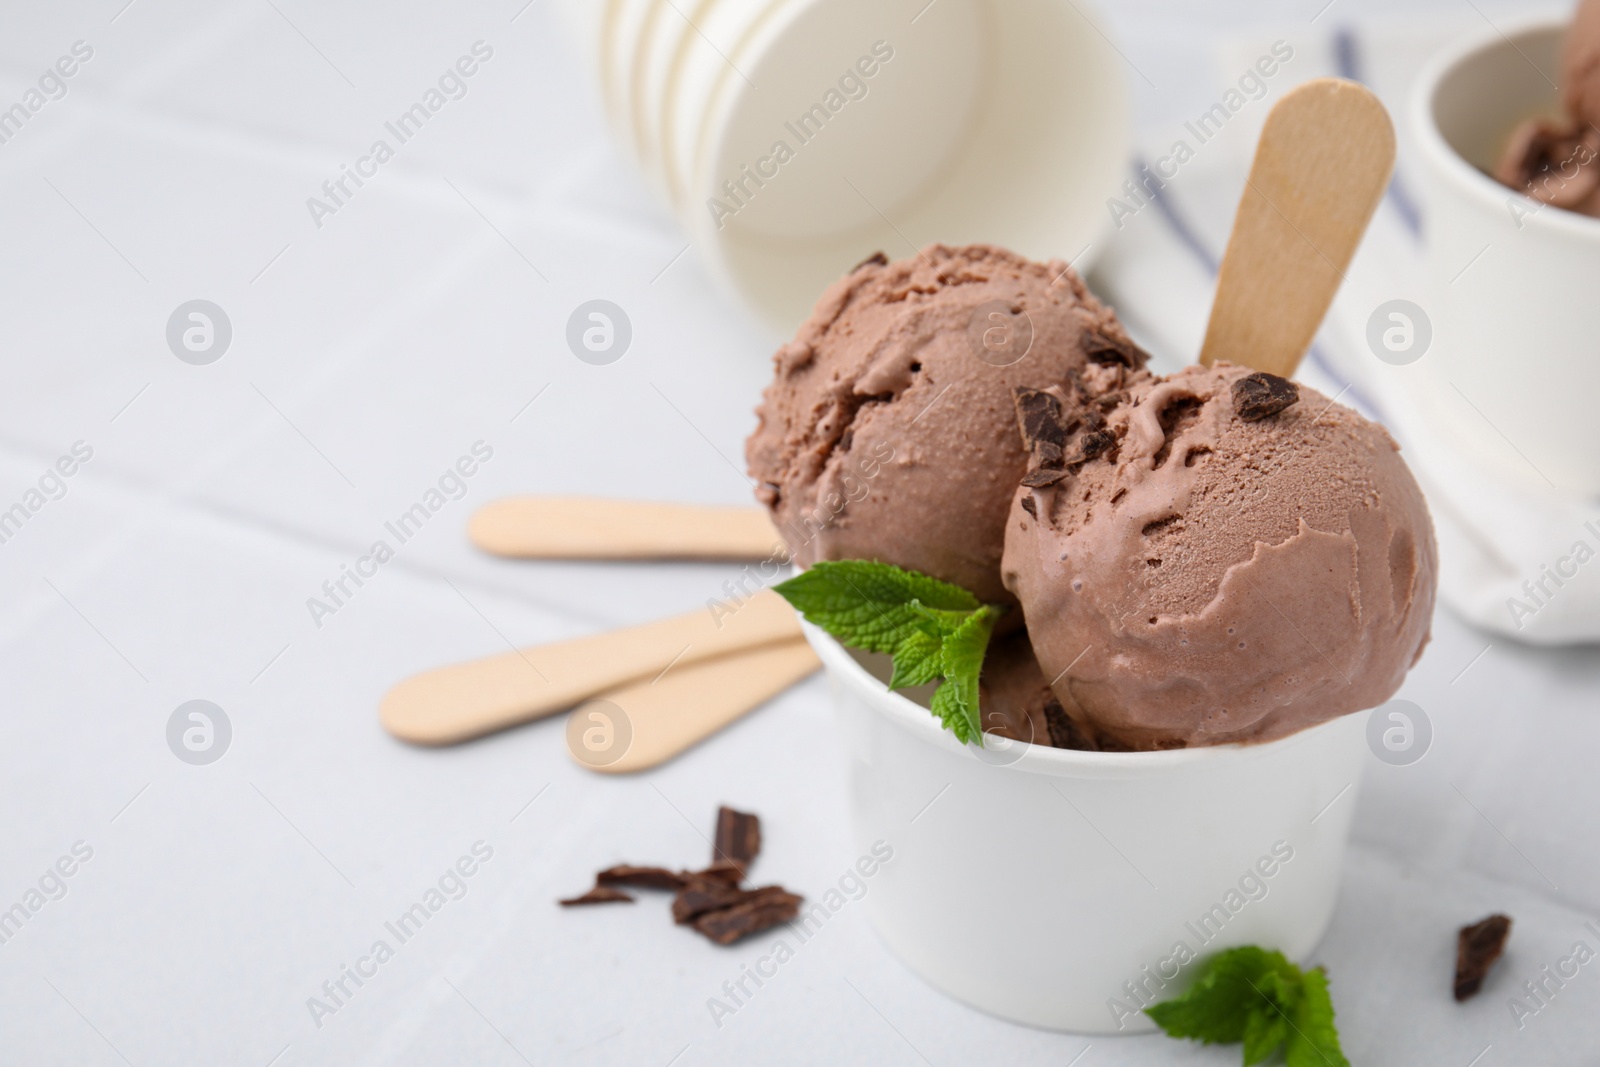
1176, 223
1347, 57
1191, 240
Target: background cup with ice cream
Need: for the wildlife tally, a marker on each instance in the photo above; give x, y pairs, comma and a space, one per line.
1512, 374
793, 138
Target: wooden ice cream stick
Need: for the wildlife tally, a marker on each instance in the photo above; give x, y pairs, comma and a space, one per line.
1321, 166
572, 527
647, 723
467, 700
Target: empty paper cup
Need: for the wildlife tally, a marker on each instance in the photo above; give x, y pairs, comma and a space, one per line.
1069, 889
794, 138
1512, 371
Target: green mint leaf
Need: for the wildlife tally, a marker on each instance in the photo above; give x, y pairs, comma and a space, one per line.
963, 660
918, 660
1264, 1032
865, 605
1313, 1039
1261, 999
947, 706
933, 629
1217, 1008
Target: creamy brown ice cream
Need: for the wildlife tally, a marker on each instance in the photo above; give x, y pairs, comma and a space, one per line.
1221, 557
1558, 162
888, 433
1015, 700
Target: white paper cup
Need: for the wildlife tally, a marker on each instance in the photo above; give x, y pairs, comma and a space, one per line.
1515, 317
1002, 121
703, 66
1050, 886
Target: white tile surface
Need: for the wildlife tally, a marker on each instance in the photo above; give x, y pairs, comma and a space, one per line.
369, 355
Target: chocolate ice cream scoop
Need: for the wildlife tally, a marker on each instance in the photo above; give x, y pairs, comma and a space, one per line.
1558, 161
1015, 700
1246, 560
888, 431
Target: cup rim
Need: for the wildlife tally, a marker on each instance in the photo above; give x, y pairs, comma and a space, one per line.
1451, 164
1046, 759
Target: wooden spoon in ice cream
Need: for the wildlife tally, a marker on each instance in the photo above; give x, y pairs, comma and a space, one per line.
1321, 167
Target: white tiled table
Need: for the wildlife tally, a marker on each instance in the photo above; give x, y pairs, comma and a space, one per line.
367, 355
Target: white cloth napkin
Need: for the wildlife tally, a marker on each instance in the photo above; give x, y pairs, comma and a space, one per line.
1512, 552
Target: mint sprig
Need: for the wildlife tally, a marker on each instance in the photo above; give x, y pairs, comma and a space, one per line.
1259, 998
933, 629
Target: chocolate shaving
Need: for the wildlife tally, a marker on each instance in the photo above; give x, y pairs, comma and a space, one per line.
713, 900
1258, 396
738, 838
1047, 454
1477, 947
720, 871
1042, 478
763, 909
1029, 506
643, 877
701, 895
877, 259
600, 894
1094, 444
1064, 733
1040, 418
1102, 349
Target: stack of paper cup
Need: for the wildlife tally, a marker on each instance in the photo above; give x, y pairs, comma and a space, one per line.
793, 138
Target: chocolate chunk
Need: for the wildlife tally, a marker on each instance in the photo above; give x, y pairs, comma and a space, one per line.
600, 894
1064, 733
1102, 349
760, 910
711, 900
701, 895
1029, 506
877, 259
643, 877
1040, 418
1042, 478
738, 839
1094, 444
1258, 396
721, 871
1048, 454
1477, 947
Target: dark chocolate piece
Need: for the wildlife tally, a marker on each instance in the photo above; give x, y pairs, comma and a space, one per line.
701, 895
643, 877
1258, 396
1040, 418
877, 259
1048, 455
600, 894
711, 900
1064, 733
738, 838
1042, 478
720, 871
1102, 349
1477, 947
1093, 445
1029, 506
763, 909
